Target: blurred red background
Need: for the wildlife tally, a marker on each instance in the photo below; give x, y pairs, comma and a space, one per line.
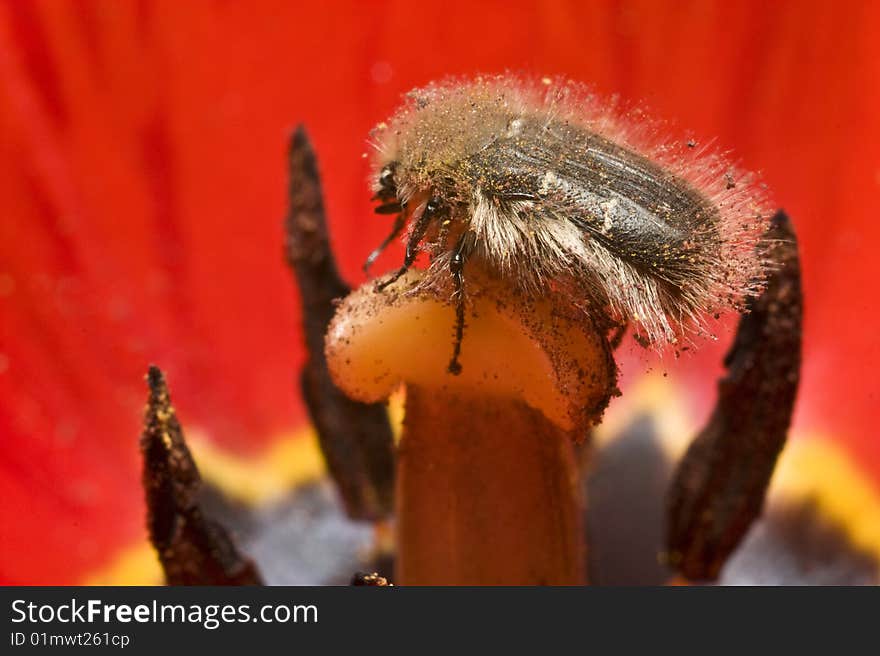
142, 195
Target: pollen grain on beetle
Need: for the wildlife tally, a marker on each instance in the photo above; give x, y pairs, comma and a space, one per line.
545, 184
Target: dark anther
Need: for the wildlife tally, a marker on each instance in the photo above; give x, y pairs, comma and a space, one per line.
192, 549
373, 580
719, 487
355, 438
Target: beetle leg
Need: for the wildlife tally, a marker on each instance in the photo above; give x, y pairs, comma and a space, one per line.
463, 249
399, 222
412, 248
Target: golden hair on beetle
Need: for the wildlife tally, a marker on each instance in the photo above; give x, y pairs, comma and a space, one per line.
544, 184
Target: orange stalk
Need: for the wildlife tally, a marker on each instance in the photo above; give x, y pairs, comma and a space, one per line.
487, 485
487, 494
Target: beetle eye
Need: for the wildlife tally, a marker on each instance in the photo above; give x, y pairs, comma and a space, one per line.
433, 205
386, 177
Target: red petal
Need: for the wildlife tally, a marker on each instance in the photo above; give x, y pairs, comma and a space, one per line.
142, 193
